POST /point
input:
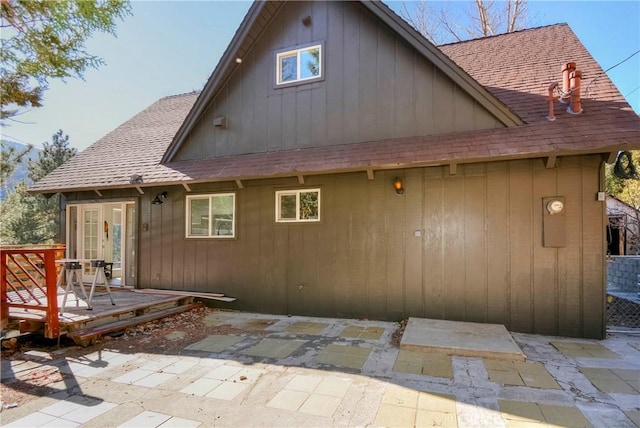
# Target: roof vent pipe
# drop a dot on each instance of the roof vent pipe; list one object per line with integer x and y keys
{"x": 567, "y": 68}
{"x": 551, "y": 116}
{"x": 576, "y": 104}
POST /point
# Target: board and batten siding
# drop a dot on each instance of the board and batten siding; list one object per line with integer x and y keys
{"x": 462, "y": 247}
{"x": 375, "y": 86}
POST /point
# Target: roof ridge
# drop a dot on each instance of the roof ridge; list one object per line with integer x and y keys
{"x": 183, "y": 94}
{"x": 559, "y": 24}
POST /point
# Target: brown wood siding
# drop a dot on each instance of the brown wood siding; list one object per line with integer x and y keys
{"x": 375, "y": 86}
{"x": 463, "y": 247}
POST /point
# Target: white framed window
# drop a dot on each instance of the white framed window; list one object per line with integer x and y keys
{"x": 299, "y": 64}
{"x": 211, "y": 216}
{"x": 298, "y": 205}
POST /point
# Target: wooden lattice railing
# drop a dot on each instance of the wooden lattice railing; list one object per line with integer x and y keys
{"x": 28, "y": 282}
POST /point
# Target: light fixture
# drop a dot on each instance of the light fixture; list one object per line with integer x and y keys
{"x": 160, "y": 198}
{"x": 397, "y": 184}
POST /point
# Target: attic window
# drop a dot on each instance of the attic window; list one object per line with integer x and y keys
{"x": 299, "y": 65}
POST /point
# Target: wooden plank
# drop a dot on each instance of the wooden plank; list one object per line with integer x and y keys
{"x": 475, "y": 249}
{"x": 385, "y": 84}
{"x": 333, "y": 68}
{"x": 367, "y": 54}
{"x": 350, "y": 88}
{"x": 376, "y": 240}
{"x": 453, "y": 246}
{"x": 497, "y": 198}
{"x": 318, "y": 127}
{"x": 274, "y": 117}
{"x": 289, "y": 117}
{"x": 433, "y": 249}
{"x": 593, "y": 249}
{"x": 176, "y": 292}
{"x": 302, "y": 115}
{"x": 545, "y": 302}
{"x": 443, "y": 96}
{"x": 521, "y": 253}
{"x": 413, "y": 279}
{"x": 262, "y": 62}
{"x": 358, "y": 241}
{"x": 80, "y": 337}
{"x": 423, "y": 97}
{"x": 570, "y": 311}
{"x": 404, "y": 100}
{"x": 338, "y": 214}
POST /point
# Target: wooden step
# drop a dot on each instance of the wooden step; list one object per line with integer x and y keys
{"x": 87, "y": 336}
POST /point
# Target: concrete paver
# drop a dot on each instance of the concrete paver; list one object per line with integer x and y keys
{"x": 274, "y": 348}
{"x": 333, "y": 374}
{"x": 584, "y": 349}
{"x": 348, "y": 356}
{"x": 431, "y": 363}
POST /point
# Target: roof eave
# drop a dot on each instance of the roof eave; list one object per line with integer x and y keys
{"x": 453, "y": 162}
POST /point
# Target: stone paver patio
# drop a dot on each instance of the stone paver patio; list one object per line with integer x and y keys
{"x": 298, "y": 371}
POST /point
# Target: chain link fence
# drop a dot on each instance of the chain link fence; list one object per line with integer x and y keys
{"x": 623, "y": 312}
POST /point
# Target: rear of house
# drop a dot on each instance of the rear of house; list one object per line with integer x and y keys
{"x": 338, "y": 164}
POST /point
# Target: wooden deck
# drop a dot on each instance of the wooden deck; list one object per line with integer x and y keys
{"x": 84, "y": 325}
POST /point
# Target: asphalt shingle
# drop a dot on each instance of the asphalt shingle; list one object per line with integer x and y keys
{"x": 516, "y": 68}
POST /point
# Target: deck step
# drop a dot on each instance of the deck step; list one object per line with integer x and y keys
{"x": 86, "y": 336}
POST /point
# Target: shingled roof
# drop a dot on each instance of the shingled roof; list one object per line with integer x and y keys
{"x": 516, "y": 68}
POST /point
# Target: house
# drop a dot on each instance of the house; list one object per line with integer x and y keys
{"x": 623, "y": 230}
{"x": 338, "y": 164}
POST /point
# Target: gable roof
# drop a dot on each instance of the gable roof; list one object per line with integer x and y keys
{"x": 260, "y": 16}
{"x": 515, "y": 68}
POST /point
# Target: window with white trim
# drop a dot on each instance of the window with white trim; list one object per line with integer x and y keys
{"x": 298, "y": 205}
{"x": 299, "y": 65}
{"x": 211, "y": 216}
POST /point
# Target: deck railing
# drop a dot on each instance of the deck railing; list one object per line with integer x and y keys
{"x": 29, "y": 283}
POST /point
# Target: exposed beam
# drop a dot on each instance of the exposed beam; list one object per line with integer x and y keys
{"x": 98, "y": 192}
{"x": 453, "y": 168}
{"x": 139, "y": 189}
{"x": 370, "y": 174}
{"x": 300, "y": 178}
{"x": 610, "y": 157}
{"x": 186, "y": 187}
{"x": 239, "y": 184}
{"x": 551, "y": 161}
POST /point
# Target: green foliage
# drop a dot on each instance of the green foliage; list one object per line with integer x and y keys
{"x": 10, "y": 157}
{"x": 627, "y": 190}
{"x": 28, "y": 219}
{"x": 34, "y": 219}
{"x": 52, "y": 156}
{"x": 46, "y": 39}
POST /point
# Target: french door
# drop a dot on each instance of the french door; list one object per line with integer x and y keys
{"x": 105, "y": 231}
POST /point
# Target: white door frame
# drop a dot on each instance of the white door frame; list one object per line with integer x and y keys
{"x": 81, "y": 209}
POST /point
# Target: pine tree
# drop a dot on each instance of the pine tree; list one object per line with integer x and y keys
{"x": 35, "y": 219}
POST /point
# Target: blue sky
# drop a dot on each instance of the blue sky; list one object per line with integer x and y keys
{"x": 172, "y": 47}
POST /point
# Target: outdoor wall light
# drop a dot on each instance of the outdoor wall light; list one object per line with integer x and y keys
{"x": 397, "y": 184}
{"x": 160, "y": 198}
